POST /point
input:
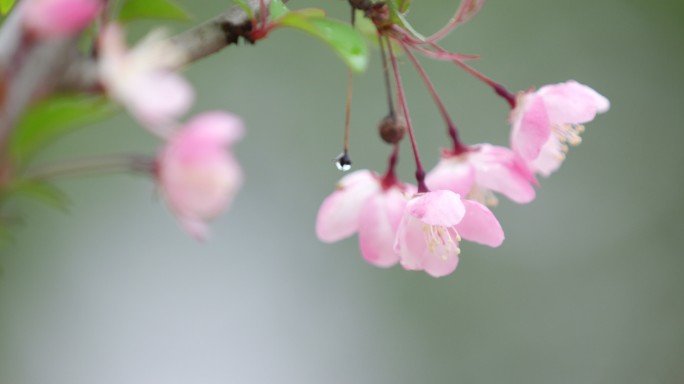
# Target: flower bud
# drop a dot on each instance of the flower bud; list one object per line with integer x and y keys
{"x": 392, "y": 128}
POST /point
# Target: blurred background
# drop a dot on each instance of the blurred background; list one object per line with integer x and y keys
{"x": 587, "y": 288}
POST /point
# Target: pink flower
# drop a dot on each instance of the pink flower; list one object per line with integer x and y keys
{"x": 544, "y": 120}
{"x": 432, "y": 226}
{"x": 196, "y": 173}
{"x": 142, "y": 79}
{"x": 361, "y": 204}
{"x": 482, "y": 170}
{"x": 58, "y": 18}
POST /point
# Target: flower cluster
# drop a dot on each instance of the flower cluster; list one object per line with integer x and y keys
{"x": 421, "y": 227}
{"x": 417, "y": 226}
{"x": 422, "y": 230}
{"x": 195, "y": 170}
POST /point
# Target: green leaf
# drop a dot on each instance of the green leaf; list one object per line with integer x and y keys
{"x": 6, "y": 239}
{"x": 152, "y": 9}
{"x": 397, "y": 17}
{"x": 52, "y": 119}
{"x": 245, "y": 7}
{"x": 6, "y": 6}
{"x": 403, "y": 5}
{"x": 346, "y": 41}
{"x": 40, "y": 191}
{"x": 277, "y": 9}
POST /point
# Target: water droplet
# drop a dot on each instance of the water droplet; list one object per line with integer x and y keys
{"x": 343, "y": 162}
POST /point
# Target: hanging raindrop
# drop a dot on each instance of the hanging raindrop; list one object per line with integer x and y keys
{"x": 343, "y": 162}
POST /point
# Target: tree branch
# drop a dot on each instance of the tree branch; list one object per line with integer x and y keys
{"x": 194, "y": 44}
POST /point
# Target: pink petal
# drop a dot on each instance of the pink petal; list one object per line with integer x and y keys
{"x": 198, "y": 229}
{"x": 452, "y": 173}
{"x": 199, "y": 184}
{"x": 159, "y": 97}
{"x": 378, "y": 226}
{"x": 572, "y": 102}
{"x": 430, "y": 248}
{"x": 550, "y": 158}
{"x": 216, "y": 126}
{"x": 111, "y": 43}
{"x": 500, "y": 170}
{"x": 338, "y": 216}
{"x": 56, "y": 18}
{"x": 443, "y": 261}
{"x": 442, "y": 208}
{"x": 480, "y": 225}
{"x": 531, "y": 127}
{"x": 410, "y": 243}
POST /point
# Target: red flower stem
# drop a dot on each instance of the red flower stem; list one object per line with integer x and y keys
{"x": 498, "y": 88}
{"x": 453, "y": 23}
{"x": 451, "y": 127}
{"x": 390, "y": 177}
{"x": 262, "y": 13}
{"x": 443, "y": 54}
{"x": 420, "y": 172}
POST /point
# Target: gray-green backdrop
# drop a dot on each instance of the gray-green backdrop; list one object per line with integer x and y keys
{"x": 587, "y": 288}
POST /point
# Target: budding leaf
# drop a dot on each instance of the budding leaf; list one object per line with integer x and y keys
{"x": 403, "y": 5}
{"x": 346, "y": 41}
{"x": 52, "y": 119}
{"x": 152, "y": 9}
{"x": 6, "y": 6}
{"x": 245, "y": 7}
{"x": 397, "y": 17}
{"x": 277, "y": 9}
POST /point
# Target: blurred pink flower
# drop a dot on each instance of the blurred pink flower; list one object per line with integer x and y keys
{"x": 361, "y": 204}
{"x": 432, "y": 226}
{"x": 142, "y": 78}
{"x": 544, "y": 120}
{"x": 57, "y": 18}
{"x": 481, "y": 170}
{"x": 197, "y": 174}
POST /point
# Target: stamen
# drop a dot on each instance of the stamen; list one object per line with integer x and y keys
{"x": 442, "y": 238}
{"x": 483, "y": 195}
{"x": 569, "y": 133}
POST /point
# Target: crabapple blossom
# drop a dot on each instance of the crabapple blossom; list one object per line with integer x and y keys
{"x": 197, "y": 174}
{"x": 363, "y": 204}
{"x": 57, "y": 18}
{"x": 481, "y": 170}
{"x": 142, "y": 78}
{"x": 545, "y": 120}
{"x": 433, "y": 225}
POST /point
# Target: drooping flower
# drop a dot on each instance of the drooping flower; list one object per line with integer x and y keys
{"x": 546, "y": 120}
{"x": 142, "y": 78}
{"x": 58, "y": 18}
{"x": 363, "y": 204}
{"x": 481, "y": 170}
{"x": 433, "y": 225}
{"x": 197, "y": 174}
